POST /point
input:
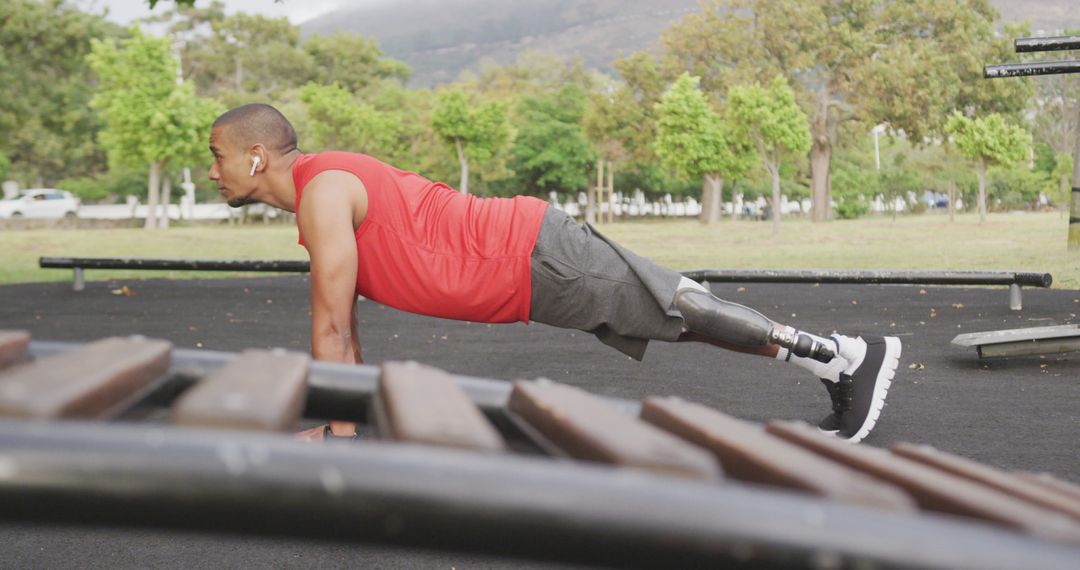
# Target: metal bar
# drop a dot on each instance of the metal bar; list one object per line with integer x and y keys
{"x": 79, "y": 282}
{"x": 1049, "y": 43}
{"x": 870, "y": 277}
{"x": 254, "y": 265}
{"x": 1016, "y": 297}
{"x": 1028, "y": 69}
{"x": 716, "y": 275}
{"x": 136, "y": 476}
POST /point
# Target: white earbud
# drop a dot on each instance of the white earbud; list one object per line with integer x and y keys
{"x": 254, "y": 163}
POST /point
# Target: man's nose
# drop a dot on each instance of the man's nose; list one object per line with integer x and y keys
{"x": 213, "y": 174}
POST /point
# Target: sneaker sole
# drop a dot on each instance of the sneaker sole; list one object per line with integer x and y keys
{"x": 885, "y": 375}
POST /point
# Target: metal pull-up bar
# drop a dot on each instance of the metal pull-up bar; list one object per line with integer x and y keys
{"x": 1031, "y": 45}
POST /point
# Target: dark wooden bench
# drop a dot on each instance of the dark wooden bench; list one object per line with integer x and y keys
{"x": 426, "y": 475}
{"x": 263, "y": 390}
{"x": 84, "y": 383}
{"x": 423, "y": 405}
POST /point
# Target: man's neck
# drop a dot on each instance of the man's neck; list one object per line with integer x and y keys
{"x": 282, "y": 189}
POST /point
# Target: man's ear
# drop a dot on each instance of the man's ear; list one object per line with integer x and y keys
{"x": 258, "y": 157}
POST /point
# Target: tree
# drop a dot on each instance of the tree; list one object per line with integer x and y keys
{"x": 906, "y": 62}
{"x": 337, "y": 120}
{"x": 988, "y": 140}
{"x": 45, "y": 87}
{"x": 550, "y": 152}
{"x": 352, "y": 61}
{"x": 693, "y": 140}
{"x": 777, "y": 126}
{"x": 149, "y": 118}
{"x": 475, "y": 131}
{"x": 611, "y": 116}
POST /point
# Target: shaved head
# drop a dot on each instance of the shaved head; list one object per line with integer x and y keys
{"x": 258, "y": 123}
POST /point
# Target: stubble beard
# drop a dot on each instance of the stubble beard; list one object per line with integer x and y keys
{"x": 240, "y": 202}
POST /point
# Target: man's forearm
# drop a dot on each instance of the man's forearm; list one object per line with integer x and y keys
{"x": 334, "y": 346}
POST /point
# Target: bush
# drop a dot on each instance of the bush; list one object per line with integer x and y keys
{"x": 851, "y": 209}
{"x": 1014, "y": 188}
{"x": 109, "y": 186}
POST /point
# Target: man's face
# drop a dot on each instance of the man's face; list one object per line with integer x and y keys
{"x": 231, "y": 169}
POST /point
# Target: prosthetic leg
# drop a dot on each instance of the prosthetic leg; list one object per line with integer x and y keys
{"x": 710, "y": 316}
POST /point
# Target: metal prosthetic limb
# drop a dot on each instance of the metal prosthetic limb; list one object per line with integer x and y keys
{"x": 705, "y": 314}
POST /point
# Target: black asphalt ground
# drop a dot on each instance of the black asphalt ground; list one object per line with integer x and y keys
{"x": 1020, "y": 413}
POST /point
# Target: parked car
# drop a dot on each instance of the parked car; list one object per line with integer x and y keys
{"x": 40, "y": 203}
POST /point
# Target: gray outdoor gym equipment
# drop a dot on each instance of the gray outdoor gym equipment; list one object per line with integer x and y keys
{"x": 1022, "y": 342}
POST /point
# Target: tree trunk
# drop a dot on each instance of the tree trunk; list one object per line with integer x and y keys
{"x": 774, "y": 170}
{"x": 734, "y": 196}
{"x": 592, "y": 193}
{"x": 706, "y": 200}
{"x": 1074, "y": 208}
{"x": 166, "y": 191}
{"x": 982, "y": 192}
{"x": 820, "y": 159}
{"x": 464, "y": 161}
{"x": 952, "y": 199}
{"x": 152, "y": 195}
{"x": 712, "y": 199}
{"x": 611, "y": 191}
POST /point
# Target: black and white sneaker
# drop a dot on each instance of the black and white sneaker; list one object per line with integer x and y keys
{"x": 859, "y": 396}
{"x": 830, "y": 424}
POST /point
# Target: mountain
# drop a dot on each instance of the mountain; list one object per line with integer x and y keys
{"x": 439, "y": 39}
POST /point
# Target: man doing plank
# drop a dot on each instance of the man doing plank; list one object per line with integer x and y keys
{"x": 420, "y": 246}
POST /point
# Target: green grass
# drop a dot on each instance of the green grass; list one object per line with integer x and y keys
{"x": 1017, "y": 241}
{"x": 20, "y": 250}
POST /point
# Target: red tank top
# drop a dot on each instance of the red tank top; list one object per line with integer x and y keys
{"x": 426, "y": 248}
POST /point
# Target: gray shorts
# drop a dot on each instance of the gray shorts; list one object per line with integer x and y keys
{"x": 582, "y": 280}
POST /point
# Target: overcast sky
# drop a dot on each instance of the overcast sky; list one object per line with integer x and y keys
{"x": 125, "y": 11}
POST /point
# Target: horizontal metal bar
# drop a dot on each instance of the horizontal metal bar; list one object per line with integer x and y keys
{"x": 715, "y": 275}
{"x": 138, "y": 476}
{"x": 1049, "y": 43}
{"x": 1026, "y": 69}
{"x": 870, "y": 277}
{"x": 256, "y": 265}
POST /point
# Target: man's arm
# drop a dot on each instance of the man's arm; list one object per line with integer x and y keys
{"x": 326, "y": 219}
{"x": 356, "y": 334}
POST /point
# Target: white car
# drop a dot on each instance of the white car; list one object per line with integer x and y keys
{"x": 40, "y": 203}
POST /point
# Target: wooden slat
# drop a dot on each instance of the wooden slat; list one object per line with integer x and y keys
{"x": 14, "y": 347}
{"x": 261, "y": 390}
{"x": 421, "y": 404}
{"x": 1051, "y": 483}
{"x": 989, "y": 476}
{"x": 586, "y": 428}
{"x": 83, "y": 382}
{"x": 750, "y": 454}
{"x": 933, "y": 489}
